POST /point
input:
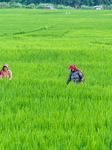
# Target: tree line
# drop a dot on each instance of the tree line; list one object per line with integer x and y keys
{"x": 72, "y": 3}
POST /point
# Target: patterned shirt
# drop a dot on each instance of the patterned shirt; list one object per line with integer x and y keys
{"x": 76, "y": 76}
{"x": 3, "y": 74}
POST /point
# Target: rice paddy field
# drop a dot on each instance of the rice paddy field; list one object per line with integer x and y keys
{"x": 38, "y": 111}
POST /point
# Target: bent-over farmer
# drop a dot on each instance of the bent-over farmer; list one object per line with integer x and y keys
{"x": 76, "y": 75}
{"x": 6, "y": 72}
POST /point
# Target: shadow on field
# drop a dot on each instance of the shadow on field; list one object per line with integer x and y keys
{"x": 22, "y": 32}
{"x": 43, "y": 28}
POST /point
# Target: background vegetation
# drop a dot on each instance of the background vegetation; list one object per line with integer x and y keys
{"x": 107, "y": 4}
{"x": 37, "y": 109}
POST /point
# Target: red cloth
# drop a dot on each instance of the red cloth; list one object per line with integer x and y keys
{"x": 72, "y": 66}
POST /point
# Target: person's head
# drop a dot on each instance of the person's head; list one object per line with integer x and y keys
{"x": 5, "y": 67}
{"x": 72, "y": 67}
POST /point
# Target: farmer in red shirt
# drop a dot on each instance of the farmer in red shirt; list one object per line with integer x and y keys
{"x": 76, "y": 75}
{"x": 6, "y": 72}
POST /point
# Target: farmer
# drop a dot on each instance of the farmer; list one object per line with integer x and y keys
{"x": 6, "y": 72}
{"x": 76, "y": 75}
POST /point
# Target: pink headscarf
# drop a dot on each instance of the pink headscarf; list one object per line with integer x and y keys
{"x": 6, "y": 65}
{"x": 72, "y": 66}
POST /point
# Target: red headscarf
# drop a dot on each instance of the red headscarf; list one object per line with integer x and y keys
{"x": 72, "y": 66}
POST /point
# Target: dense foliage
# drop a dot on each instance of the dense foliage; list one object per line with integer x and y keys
{"x": 63, "y": 2}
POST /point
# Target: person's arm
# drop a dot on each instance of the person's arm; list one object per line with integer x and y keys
{"x": 69, "y": 79}
{"x": 81, "y": 77}
{"x": 10, "y": 75}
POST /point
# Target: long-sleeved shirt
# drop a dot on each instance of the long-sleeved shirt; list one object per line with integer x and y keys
{"x": 3, "y": 74}
{"x": 76, "y": 76}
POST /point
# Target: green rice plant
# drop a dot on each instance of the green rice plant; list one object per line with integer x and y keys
{"x": 37, "y": 109}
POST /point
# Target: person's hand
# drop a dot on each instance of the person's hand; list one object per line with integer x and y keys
{"x": 82, "y": 82}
